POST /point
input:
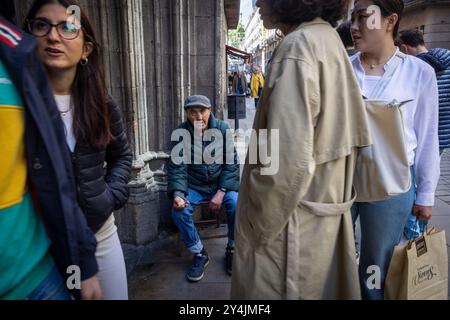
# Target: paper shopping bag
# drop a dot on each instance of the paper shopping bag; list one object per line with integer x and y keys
{"x": 419, "y": 269}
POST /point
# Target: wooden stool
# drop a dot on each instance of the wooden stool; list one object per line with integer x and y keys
{"x": 202, "y": 218}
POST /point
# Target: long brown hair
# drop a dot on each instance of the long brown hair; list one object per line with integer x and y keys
{"x": 91, "y": 123}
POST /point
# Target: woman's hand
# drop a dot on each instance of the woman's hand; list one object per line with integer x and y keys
{"x": 422, "y": 212}
{"x": 90, "y": 289}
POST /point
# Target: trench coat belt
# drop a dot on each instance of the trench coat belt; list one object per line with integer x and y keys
{"x": 327, "y": 209}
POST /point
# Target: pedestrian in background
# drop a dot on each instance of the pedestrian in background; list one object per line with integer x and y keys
{"x": 413, "y": 83}
{"x": 248, "y": 79}
{"x": 239, "y": 83}
{"x": 412, "y": 42}
{"x": 294, "y": 235}
{"x": 94, "y": 129}
{"x": 256, "y": 85}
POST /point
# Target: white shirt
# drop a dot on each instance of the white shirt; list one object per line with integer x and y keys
{"x": 65, "y": 106}
{"x": 369, "y": 84}
{"x": 414, "y": 79}
{"x": 108, "y": 229}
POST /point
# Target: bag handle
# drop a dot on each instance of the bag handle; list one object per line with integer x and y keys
{"x": 427, "y": 231}
{"x": 386, "y": 78}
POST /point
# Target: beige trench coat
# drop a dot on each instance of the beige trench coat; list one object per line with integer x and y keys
{"x": 294, "y": 235}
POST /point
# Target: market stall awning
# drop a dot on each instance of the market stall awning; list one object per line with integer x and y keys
{"x": 238, "y": 53}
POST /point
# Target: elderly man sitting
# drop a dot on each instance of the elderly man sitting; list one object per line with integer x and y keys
{"x": 190, "y": 184}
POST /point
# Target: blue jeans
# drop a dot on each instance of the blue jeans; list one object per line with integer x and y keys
{"x": 52, "y": 288}
{"x": 382, "y": 224}
{"x": 184, "y": 222}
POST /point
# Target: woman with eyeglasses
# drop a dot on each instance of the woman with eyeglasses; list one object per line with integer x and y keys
{"x": 95, "y": 133}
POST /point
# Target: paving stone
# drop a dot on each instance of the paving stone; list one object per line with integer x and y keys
{"x": 441, "y": 208}
{"x": 442, "y": 223}
{"x": 164, "y": 278}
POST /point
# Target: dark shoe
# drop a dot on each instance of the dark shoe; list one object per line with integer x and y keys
{"x": 197, "y": 270}
{"x": 229, "y": 260}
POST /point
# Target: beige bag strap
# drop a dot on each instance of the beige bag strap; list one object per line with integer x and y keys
{"x": 384, "y": 81}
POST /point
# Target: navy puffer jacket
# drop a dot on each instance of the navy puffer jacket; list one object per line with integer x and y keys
{"x": 100, "y": 192}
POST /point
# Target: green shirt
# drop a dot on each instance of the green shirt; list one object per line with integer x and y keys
{"x": 25, "y": 260}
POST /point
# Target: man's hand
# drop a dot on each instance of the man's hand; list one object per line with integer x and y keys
{"x": 216, "y": 202}
{"x": 422, "y": 212}
{"x": 180, "y": 204}
{"x": 90, "y": 289}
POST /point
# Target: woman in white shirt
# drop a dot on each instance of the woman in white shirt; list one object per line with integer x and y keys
{"x": 382, "y": 222}
{"x": 95, "y": 133}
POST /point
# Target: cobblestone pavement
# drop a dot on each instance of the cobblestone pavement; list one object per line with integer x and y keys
{"x": 443, "y": 190}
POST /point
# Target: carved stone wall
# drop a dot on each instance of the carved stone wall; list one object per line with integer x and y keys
{"x": 156, "y": 52}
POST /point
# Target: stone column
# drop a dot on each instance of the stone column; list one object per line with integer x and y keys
{"x": 178, "y": 39}
{"x": 134, "y": 71}
{"x": 138, "y": 221}
{"x": 221, "y": 78}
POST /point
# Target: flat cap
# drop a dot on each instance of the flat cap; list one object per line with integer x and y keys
{"x": 197, "y": 101}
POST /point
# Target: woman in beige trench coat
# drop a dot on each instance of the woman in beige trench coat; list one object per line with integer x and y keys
{"x": 294, "y": 236}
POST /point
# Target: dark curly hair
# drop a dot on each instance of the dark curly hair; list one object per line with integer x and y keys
{"x": 295, "y": 12}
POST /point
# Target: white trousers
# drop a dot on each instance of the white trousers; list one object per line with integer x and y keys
{"x": 112, "y": 272}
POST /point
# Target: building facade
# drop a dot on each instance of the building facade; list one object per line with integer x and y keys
{"x": 157, "y": 52}
{"x": 432, "y": 17}
{"x": 258, "y": 40}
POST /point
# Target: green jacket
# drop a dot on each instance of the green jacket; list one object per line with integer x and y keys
{"x": 204, "y": 178}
